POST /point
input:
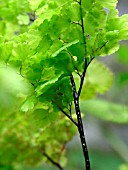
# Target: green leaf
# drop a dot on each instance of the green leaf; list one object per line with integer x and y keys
{"x": 95, "y": 15}
{"x": 34, "y": 38}
{"x": 109, "y": 44}
{"x": 40, "y": 118}
{"x": 45, "y": 86}
{"x": 53, "y": 116}
{"x": 105, "y": 110}
{"x": 29, "y": 103}
{"x": 98, "y": 80}
{"x": 6, "y": 51}
{"x": 110, "y": 4}
{"x": 23, "y": 19}
{"x": 64, "y": 47}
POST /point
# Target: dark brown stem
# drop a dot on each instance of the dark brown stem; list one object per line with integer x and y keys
{"x": 82, "y": 24}
{"x": 53, "y": 162}
{"x": 82, "y": 77}
{"x": 83, "y": 74}
{"x": 80, "y": 124}
{"x": 69, "y": 116}
{"x": 103, "y": 45}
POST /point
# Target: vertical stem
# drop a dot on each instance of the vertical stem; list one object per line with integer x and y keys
{"x": 80, "y": 124}
{"x": 82, "y": 77}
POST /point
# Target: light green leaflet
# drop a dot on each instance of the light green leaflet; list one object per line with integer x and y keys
{"x": 64, "y": 47}
{"x": 98, "y": 80}
{"x": 42, "y": 88}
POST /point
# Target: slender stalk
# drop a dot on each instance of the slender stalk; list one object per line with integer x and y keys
{"x": 69, "y": 116}
{"x": 53, "y": 162}
{"x": 80, "y": 124}
{"x": 83, "y": 74}
{"x": 82, "y": 23}
{"x": 82, "y": 77}
{"x": 66, "y": 114}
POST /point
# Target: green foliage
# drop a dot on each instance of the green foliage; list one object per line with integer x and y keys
{"x": 123, "y": 59}
{"x": 14, "y": 17}
{"x": 98, "y": 80}
{"x": 124, "y": 167}
{"x": 106, "y": 110}
{"x": 44, "y": 53}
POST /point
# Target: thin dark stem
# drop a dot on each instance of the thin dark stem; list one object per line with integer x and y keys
{"x": 76, "y": 23}
{"x": 80, "y": 124}
{"x": 86, "y": 60}
{"x": 66, "y": 114}
{"x": 70, "y": 109}
{"x": 82, "y": 24}
{"x": 53, "y": 162}
{"x": 69, "y": 116}
{"x": 103, "y": 45}
{"x": 77, "y": 2}
{"x": 83, "y": 75}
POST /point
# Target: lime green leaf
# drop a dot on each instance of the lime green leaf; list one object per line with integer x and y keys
{"x": 23, "y": 19}
{"x": 53, "y": 116}
{"x": 92, "y": 23}
{"x": 21, "y": 51}
{"x": 113, "y": 13}
{"x": 40, "y": 118}
{"x": 29, "y": 103}
{"x": 45, "y": 86}
{"x": 34, "y": 4}
{"x": 72, "y": 11}
{"x": 110, "y": 4}
{"x": 33, "y": 38}
{"x": 64, "y": 47}
{"x": 6, "y": 51}
{"x": 87, "y": 4}
{"x": 98, "y": 79}
{"x": 109, "y": 44}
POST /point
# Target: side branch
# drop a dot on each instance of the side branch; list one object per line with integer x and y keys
{"x": 53, "y": 162}
{"x": 69, "y": 116}
{"x": 83, "y": 75}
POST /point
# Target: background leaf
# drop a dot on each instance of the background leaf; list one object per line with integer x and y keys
{"x": 107, "y": 111}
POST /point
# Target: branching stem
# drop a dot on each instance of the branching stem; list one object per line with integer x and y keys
{"x": 53, "y": 162}
{"x": 83, "y": 74}
{"x": 82, "y": 78}
{"x": 67, "y": 115}
{"x": 80, "y": 123}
